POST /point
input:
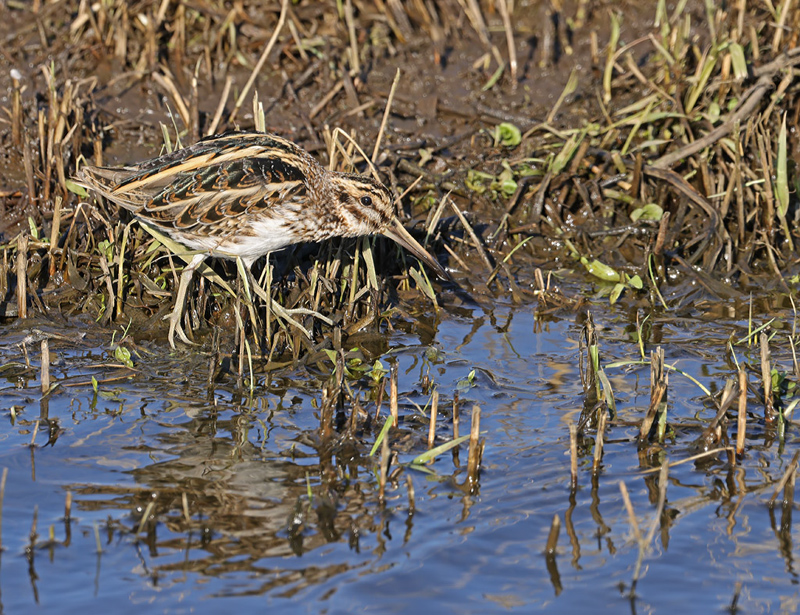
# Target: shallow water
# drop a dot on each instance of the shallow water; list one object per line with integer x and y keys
{"x": 247, "y": 465}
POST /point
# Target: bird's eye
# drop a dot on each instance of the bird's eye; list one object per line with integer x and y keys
{"x": 366, "y": 201}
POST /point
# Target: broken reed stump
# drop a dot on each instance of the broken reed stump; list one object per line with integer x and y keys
{"x": 434, "y": 412}
{"x": 658, "y": 391}
{"x": 22, "y": 276}
{"x": 766, "y": 378}
{"x": 45, "y": 366}
{"x": 573, "y": 457}
{"x": 475, "y": 448}
{"x": 393, "y": 394}
{"x": 599, "y": 441}
{"x": 741, "y": 425}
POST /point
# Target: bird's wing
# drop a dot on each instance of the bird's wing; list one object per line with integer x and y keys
{"x": 215, "y": 180}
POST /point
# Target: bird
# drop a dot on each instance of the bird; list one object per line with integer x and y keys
{"x": 245, "y": 194}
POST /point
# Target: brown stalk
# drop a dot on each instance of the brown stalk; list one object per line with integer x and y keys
{"x": 393, "y": 394}
{"x": 456, "y": 425}
{"x": 475, "y": 448}
{"x": 512, "y": 50}
{"x": 260, "y": 64}
{"x": 22, "y": 276}
{"x": 788, "y": 476}
{"x": 599, "y": 440}
{"x": 742, "y": 418}
{"x": 166, "y": 82}
{"x": 185, "y": 506}
{"x": 385, "y": 119}
{"x": 658, "y": 389}
{"x": 434, "y": 411}
{"x": 355, "y": 67}
{"x": 384, "y": 469}
{"x": 411, "y": 498}
{"x": 212, "y": 129}
{"x": 16, "y": 109}
{"x": 552, "y": 536}
{"x": 573, "y": 456}
{"x": 475, "y": 241}
{"x": 626, "y": 499}
{"x": 766, "y": 379}
{"x": 68, "y": 506}
{"x": 45, "y": 366}
{"x": 27, "y": 161}
{"x": 473, "y": 11}
{"x": 2, "y": 497}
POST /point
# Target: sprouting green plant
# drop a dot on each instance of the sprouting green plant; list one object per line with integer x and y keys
{"x": 123, "y": 355}
{"x": 782, "y": 386}
{"x": 106, "y": 248}
{"x": 609, "y": 274}
{"x": 465, "y": 384}
{"x": 503, "y": 184}
{"x": 378, "y": 371}
{"x": 34, "y": 230}
{"x": 507, "y": 135}
{"x": 76, "y": 189}
{"x": 650, "y": 211}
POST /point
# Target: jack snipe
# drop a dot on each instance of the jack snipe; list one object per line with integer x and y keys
{"x": 245, "y": 194}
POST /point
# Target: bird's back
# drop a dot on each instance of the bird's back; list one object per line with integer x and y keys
{"x": 205, "y": 187}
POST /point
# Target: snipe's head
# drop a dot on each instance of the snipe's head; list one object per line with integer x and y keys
{"x": 362, "y": 204}
{"x": 366, "y": 208}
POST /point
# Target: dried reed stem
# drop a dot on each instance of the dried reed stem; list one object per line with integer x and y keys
{"x": 393, "y": 394}
{"x": 787, "y": 476}
{"x": 385, "y": 119}
{"x": 22, "y": 276}
{"x": 2, "y": 498}
{"x": 45, "y": 366}
{"x": 434, "y": 412}
{"x": 742, "y": 418}
{"x": 68, "y": 506}
{"x": 259, "y": 65}
{"x": 552, "y": 536}
{"x": 512, "y": 51}
{"x": 475, "y": 449}
{"x": 599, "y": 441}
{"x": 766, "y": 379}
{"x": 573, "y": 456}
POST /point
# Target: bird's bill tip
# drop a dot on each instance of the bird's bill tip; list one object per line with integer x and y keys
{"x": 397, "y": 233}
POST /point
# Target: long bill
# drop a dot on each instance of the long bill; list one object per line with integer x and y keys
{"x": 397, "y": 233}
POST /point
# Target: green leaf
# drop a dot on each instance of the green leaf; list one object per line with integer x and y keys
{"x": 636, "y": 282}
{"x": 615, "y": 294}
{"x": 494, "y": 78}
{"x": 123, "y": 355}
{"x": 331, "y": 354}
{"x": 378, "y": 371}
{"x": 600, "y": 270}
{"x": 381, "y": 435}
{"x": 713, "y": 112}
{"x": 651, "y": 211}
{"x": 76, "y": 188}
{"x": 507, "y": 135}
{"x": 737, "y": 61}
{"x": 106, "y": 249}
{"x": 94, "y": 384}
{"x": 425, "y": 457}
{"x": 466, "y": 383}
{"x": 34, "y": 230}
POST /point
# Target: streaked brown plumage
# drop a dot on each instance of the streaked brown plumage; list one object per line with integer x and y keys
{"x": 245, "y": 194}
